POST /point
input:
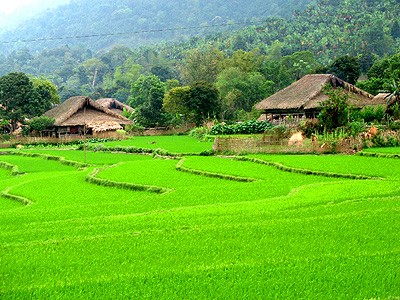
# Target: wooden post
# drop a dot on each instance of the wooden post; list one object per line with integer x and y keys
{"x": 84, "y": 135}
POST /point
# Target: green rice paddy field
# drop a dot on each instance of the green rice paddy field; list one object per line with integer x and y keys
{"x": 217, "y": 228}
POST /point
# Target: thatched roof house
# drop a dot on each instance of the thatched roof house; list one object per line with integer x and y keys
{"x": 76, "y": 113}
{"x": 302, "y": 98}
{"x": 115, "y": 105}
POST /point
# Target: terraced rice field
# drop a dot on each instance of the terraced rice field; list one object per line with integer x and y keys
{"x": 216, "y": 227}
{"x": 174, "y": 144}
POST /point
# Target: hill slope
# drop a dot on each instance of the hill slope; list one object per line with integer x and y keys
{"x": 136, "y": 22}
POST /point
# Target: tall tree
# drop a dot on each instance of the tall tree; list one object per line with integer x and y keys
{"x": 204, "y": 101}
{"x": 347, "y": 68}
{"x": 240, "y": 90}
{"x": 335, "y": 110}
{"x": 47, "y": 91}
{"x": 202, "y": 65}
{"x": 395, "y": 30}
{"x": 147, "y": 94}
{"x": 19, "y": 99}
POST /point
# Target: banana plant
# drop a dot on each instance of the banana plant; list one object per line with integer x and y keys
{"x": 393, "y": 101}
{"x": 394, "y": 97}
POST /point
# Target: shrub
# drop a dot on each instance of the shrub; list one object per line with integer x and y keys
{"x": 355, "y": 128}
{"x": 334, "y": 110}
{"x": 248, "y": 127}
{"x": 134, "y": 128}
{"x": 279, "y": 132}
{"x": 310, "y": 127}
{"x": 368, "y": 114}
{"x": 199, "y": 132}
{"x": 41, "y": 123}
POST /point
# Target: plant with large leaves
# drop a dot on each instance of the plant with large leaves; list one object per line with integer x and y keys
{"x": 393, "y": 101}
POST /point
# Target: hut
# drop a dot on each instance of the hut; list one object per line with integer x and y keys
{"x": 302, "y": 98}
{"x": 81, "y": 115}
{"x": 115, "y": 105}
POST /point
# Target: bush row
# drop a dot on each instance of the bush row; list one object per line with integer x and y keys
{"x": 304, "y": 171}
{"x": 126, "y": 149}
{"x": 381, "y": 155}
{"x": 180, "y": 167}
{"x": 63, "y": 143}
{"x": 91, "y": 178}
{"x": 387, "y": 139}
{"x": 248, "y": 127}
{"x": 139, "y": 150}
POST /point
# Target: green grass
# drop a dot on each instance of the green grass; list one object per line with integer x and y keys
{"x": 96, "y": 158}
{"x": 174, "y": 144}
{"x": 388, "y": 150}
{"x": 284, "y": 235}
{"x": 341, "y": 164}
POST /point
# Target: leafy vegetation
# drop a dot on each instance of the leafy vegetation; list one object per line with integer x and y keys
{"x": 20, "y": 98}
{"x": 248, "y": 127}
{"x": 335, "y": 110}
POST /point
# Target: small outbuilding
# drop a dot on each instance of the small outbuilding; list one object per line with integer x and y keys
{"x": 81, "y": 115}
{"x": 302, "y": 98}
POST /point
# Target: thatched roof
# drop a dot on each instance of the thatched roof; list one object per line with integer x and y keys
{"x": 381, "y": 99}
{"x": 82, "y": 110}
{"x": 104, "y": 126}
{"x": 307, "y": 93}
{"x": 115, "y": 105}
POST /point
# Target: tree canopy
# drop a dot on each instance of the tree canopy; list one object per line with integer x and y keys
{"x": 21, "y": 99}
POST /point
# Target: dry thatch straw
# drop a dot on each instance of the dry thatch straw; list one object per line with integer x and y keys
{"x": 104, "y": 126}
{"x": 82, "y": 110}
{"x": 115, "y": 105}
{"x": 381, "y": 99}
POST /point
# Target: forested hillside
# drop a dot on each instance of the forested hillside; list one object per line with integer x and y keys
{"x": 136, "y": 22}
{"x": 240, "y": 67}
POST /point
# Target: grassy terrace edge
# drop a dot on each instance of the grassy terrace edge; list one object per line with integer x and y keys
{"x": 181, "y": 168}
{"x": 60, "y": 159}
{"x": 6, "y": 194}
{"x": 93, "y": 179}
{"x": 282, "y": 167}
{"x": 376, "y": 154}
{"x": 13, "y": 168}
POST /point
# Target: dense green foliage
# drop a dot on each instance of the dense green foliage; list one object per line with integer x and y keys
{"x": 335, "y": 110}
{"x": 142, "y": 22}
{"x": 346, "y": 67}
{"x": 279, "y": 234}
{"x": 382, "y": 74}
{"x": 41, "y": 123}
{"x": 147, "y": 94}
{"x": 248, "y": 127}
{"x": 20, "y": 98}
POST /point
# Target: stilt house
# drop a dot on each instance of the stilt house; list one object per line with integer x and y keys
{"x": 302, "y": 98}
{"x": 82, "y": 115}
